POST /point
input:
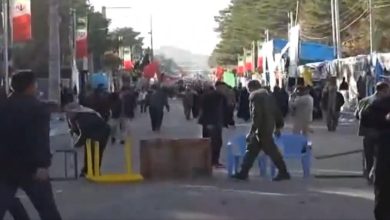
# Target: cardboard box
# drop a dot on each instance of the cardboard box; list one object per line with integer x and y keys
{"x": 175, "y": 158}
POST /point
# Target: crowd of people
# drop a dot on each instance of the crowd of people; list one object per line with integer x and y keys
{"x": 106, "y": 117}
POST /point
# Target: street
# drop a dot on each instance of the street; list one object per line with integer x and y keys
{"x": 219, "y": 197}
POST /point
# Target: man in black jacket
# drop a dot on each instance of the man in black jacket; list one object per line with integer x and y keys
{"x": 377, "y": 116}
{"x": 25, "y": 150}
{"x": 88, "y": 124}
{"x": 212, "y": 111}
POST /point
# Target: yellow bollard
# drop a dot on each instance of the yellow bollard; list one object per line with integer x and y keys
{"x": 97, "y": 159}
{"x": 128, "y": 156}
{"x": 89, "y": 158}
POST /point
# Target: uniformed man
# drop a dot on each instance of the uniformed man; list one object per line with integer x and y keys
{"x": 267, "y": 121}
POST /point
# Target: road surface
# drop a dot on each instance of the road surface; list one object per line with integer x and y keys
{"x": 219, "y": 197}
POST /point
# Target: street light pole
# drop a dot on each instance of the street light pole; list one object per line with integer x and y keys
{"x": 151, "y": 38}
{"x": 54, "y": 51}
{"x": 337, "y": 26}
{"x": 333, "y": 29}
{"x": 371, "y": 25}
{"x": 5, "y": 46}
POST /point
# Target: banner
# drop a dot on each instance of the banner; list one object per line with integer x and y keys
{"x": 259, "y": 57}
{"x": 127, "y": 63}
{"x": 82, "y": 38}
{"x": 229, "y": 78}
{"x": 294, "y": 51}
{"x": 248, "y": 60}
{"x": 20, "y": 12}
{"x": 240, "y": 65}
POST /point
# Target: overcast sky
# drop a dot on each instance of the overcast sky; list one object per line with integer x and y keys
{"x": 186, "y": 24}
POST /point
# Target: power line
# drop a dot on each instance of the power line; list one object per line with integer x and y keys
{"x": 345, "y": 15}
{"x": 354, "y": 21}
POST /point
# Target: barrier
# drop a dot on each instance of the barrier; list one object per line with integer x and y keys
{"x": 73, "y": 153}
{"x": 95, "y": 175}
{"x": 342, "y": 154}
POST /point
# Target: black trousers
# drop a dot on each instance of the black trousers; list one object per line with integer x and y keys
{"x": 215, "y": 134}
{"x": 254, "y": 146}
{"x": 369, "y": 147}
{"x": 142, "y": 105}
{"x": 230, "y": 115}
{"x": 382, "y": 180}
{"x": 156, "y": 117}
{"x": 102, "y": 146}
{"x": 39, "y": 192}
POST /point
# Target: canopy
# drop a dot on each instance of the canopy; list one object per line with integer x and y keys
{"x": 309, "y": 51}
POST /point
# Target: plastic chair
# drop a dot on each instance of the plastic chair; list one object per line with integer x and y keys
{"x": 236, "y": 150}
{"x": 295, "y": 146}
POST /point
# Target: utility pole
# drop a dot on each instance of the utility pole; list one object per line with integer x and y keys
{"x": 104, "y": 12}
{"x": 337, "y": 26}
{"x": 333, "y": 29}
{"x": 54, "y": 51}
{"x": 371, "y": 26}
{"x": 5, "y": 45}
{"x": 151, "y": 39}
{"x": 297, "y": 13}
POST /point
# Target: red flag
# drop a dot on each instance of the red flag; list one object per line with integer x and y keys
{"x": 151, "y": 70}
{"x": 219, "y": 72}
{"x": 81, "y": 38}
{"x": 260, "y": 63}
{"x": 21, "y": 20}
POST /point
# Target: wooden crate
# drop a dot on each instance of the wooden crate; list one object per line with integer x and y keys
{"x": 175, "y": 158}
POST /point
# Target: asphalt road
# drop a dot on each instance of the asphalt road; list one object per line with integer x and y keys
{"x": 220, "y": 197}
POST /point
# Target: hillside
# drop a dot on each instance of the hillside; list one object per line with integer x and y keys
{"x": 188, "y": 61}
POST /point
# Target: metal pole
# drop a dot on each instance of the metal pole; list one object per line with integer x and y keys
{"x": 6, "y": 46}
{"x": 371, "y": 26}
{"x": 54, "y": 51}
{"x": 337, "y": 26}
{"x": 333, "y": 29}
{"x": 297, "y": 13}
{"x": 151, "y": 38}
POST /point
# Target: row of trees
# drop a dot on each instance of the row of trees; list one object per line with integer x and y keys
{"x": 33, "y": 54}
{"x": 244, "y": 21}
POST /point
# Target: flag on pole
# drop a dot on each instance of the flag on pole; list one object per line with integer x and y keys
{"x": 240, "y": 65}
{"x": 254, "y": 55}
{"x": 248, "y": 60}
{"x": 259, "y": 57}
{"x": 21, "y": 20}
{"x": 82, "y": 38}
{"x": 127, "y": 63}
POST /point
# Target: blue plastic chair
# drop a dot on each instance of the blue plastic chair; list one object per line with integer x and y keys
{"x": 295, "y": 146}
{"x": 234, "y": 158}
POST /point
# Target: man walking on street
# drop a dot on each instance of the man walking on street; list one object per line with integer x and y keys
{"x": 25, "y": 150}
{"x": 267, "y": 121}
{"x": 332, "y": 101}
{"x": 212, "y": 110}
{"x": 370, "y": 135}
{"x": 377, "y": 116}
{"x": 157, "y": 101}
